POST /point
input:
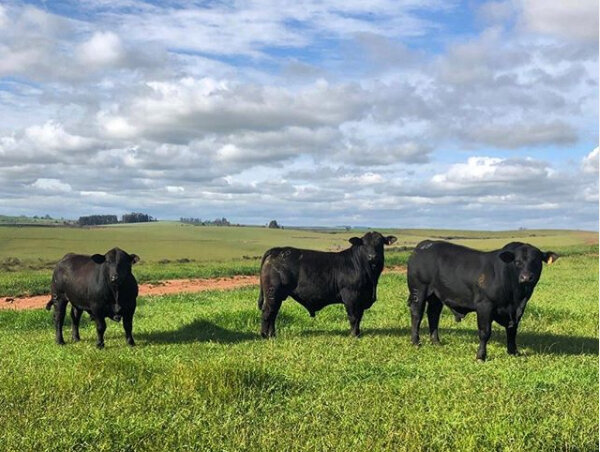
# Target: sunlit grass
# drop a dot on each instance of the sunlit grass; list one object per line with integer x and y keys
{"x": 201, "y": 378}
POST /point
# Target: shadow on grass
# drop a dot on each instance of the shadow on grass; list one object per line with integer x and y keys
{"x": 197, "y": 331}
{"x": 540, "y": 343}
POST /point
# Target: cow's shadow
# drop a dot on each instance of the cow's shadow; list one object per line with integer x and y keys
{"x": 197, "y": 331}
{"x": 538, "y": 343}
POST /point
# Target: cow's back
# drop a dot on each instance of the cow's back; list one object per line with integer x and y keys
{"x": 448, "y": 270}
{"x": 79, "y": 278}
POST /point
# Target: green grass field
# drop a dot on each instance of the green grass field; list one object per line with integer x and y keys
{"x": 172, "y": 250}
{"x": 202, "y": 379}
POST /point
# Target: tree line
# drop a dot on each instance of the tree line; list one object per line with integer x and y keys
{"x": 133, "y": 217}
{"x": 199, "y": 222}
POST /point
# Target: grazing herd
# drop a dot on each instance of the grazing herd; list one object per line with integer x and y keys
{"x": 496, "y": 285}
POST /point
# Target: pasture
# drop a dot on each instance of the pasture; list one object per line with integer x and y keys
{"x": 171, "y": 250}
{"x": 202, "y": 379}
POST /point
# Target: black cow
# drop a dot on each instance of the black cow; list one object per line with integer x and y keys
{"x": 496, "y": 285}
{"x": 101, "y": 285}
{"x": 316, "y": 279}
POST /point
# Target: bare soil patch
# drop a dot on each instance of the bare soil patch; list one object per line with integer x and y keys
{"x": 161, "y": 288}
{"x": 166, "y": 287}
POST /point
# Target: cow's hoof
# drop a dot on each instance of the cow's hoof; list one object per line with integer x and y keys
{"x": 60, "y": 342}
{"x": 131, "y": 343}
{"x": 480, "y": 360}
{"x": 514, "y": 353}
{"x": 436, "y": 342}
{"x": 99, "y": 346}
{"x": 76, "y": 339}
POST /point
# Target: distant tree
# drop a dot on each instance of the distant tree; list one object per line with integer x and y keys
{"x": 273, "y": 225}
{"x": 191, "y": 220}
{"x": 94, "y": 220}
{"x": 198, "y": 222}
{"x": 135, "y": 217}
{"x": 219, "y": 222}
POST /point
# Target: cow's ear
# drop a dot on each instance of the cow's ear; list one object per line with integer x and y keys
{"x": 507, "y": 256}
{"x": 389, "y": 239}
{"x": 134, "y": 258}
{"x": 549, "y": 257}
{"x": 355, "y": 241}
{"x": 98, "y": 258}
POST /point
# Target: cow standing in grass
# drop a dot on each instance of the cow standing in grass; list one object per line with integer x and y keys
{"x": 496, "y": 285}
{"x": 316, "y": 279}
{"x": 101, "y": 285}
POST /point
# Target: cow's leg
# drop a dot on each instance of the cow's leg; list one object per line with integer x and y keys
{"x": 354, "y": 317}
{"x": 434, "y": 309}
{"x": 60, "y": 310}
{"x": 128, "y": 326}
{"x": 100, "y": 329}
{"x": 416, "y": 301}
{"x": 75, "y": 318}
{"x": 484, "y": 324}
{"x": 511, "y": 340}
{"x": 269, "y": 315}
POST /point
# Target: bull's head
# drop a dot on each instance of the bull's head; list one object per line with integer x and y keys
{"x": 527, "y": 260}
{"x": 371, "y": 245}
{"x": 370, "y": 248}
{"x": 117, "y": 269}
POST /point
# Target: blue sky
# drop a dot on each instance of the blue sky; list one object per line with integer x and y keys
{"x": 478, "y": 115}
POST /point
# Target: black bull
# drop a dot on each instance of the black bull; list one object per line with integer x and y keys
{"x": 101, "y": 285}
{"x": 496, "y": 285}
{"x": 316, "y": 279}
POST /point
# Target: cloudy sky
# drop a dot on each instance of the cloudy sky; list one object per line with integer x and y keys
{"x": 404, "y": 113}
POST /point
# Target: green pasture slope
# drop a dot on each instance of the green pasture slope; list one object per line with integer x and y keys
{"x": 172, "y": 250}
{"x": 201, "y": 379}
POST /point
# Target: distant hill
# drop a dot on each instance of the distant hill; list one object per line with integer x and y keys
{"x": 46, "y": 220}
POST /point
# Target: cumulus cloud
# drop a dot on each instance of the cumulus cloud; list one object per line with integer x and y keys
{"x": 189, "y": 108}
{"x": 518, "y": 134}
{"x": 328, "y": 112}
{"x": 590, "y": 162}
{"x": 51, "y": 185}
{"x": 44, "y": 143}
{"x": 573, "y": 20}
{"x": 479, "y": 171}
{"x": 102, "y": 49}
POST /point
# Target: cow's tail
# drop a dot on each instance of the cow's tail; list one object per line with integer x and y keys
{"x": 50, "y": 304}
{"x": 261, "y": 297}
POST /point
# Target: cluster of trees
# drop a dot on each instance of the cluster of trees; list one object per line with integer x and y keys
{"x": 274, "y": 225}
{"x": 198, "y": 222}
{"x": 93, "y": 220}
{"x": 133, "y": 217}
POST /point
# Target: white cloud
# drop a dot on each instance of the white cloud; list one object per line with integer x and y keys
{"x": 575, "y": 20}
{"x": 44, "y": 143}
{"x": 478, "y": 171}
{"x": 367, "y": 178}
{"x": 53, "y": 136}
{"x": 590, "y": 162}
{"x": 51, "y": 185}
{"x": 309, "y": 113}
{"x": 102, "y": 49}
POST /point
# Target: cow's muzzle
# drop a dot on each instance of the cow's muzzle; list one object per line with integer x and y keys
{"x": 525, "y": 277}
